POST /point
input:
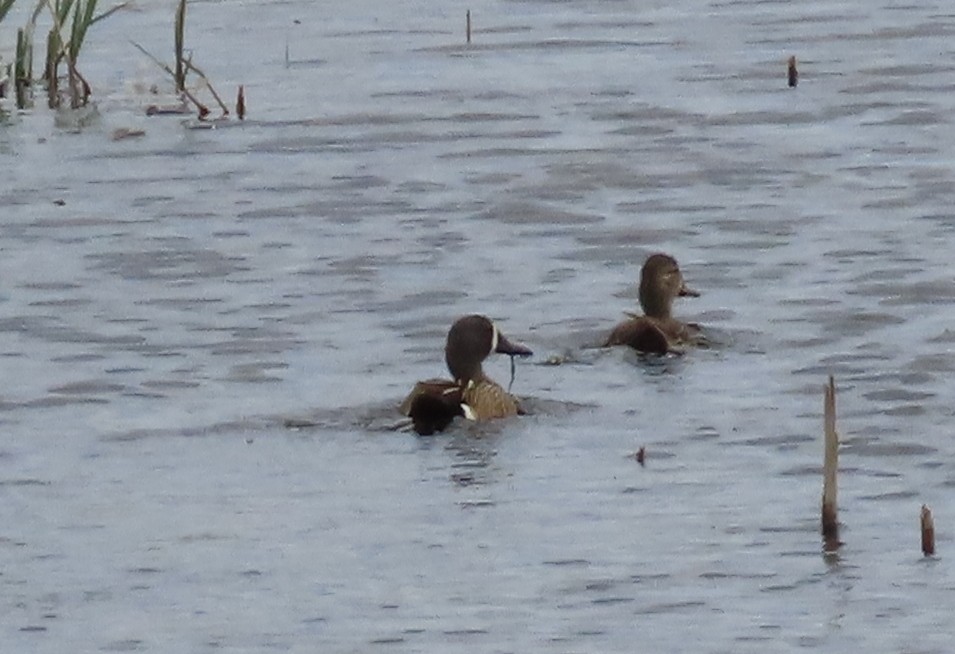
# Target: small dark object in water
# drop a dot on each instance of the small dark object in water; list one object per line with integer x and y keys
{"x": 166, "y": 110}
{"x": 469, "y": 26}
{"x": 122, "y": 133}
{"x": 641, "y": 455}
{"x": 928, "y": 532}
{"x": 793, "y": 73}
{"x": 298, "y": 423}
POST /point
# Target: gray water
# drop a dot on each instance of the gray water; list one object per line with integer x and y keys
{"x": 204, "y": 332}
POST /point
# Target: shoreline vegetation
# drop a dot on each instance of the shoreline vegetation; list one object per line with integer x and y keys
{"x": 67, "y": 23}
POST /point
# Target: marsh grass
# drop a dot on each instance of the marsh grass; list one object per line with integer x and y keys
{"x": 9, "y": 71}
{"x": 71, "y": 22}
{"x": 83, "y": 16}
{"x": 180, "y": 39}
{"x": 23, "y": 68}
{"x": 183, "y": 66}
{"x": 5, "y": 6}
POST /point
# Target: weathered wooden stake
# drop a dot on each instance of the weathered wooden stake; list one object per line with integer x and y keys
{"x": 928, "y": 532}
{"x": 469, "y": 26}
{"x": 830, "y": 510}
{"x": 793, "y": 73}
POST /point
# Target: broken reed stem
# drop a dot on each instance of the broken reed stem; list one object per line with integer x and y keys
{"x": 23, "y": 68}
{"x": 469, "y": 26}
{"x": 201, "y": 108}
{"x": 240, "y": 103}
{"x": 191, "y": 66}
{"x": 928, "y": 531}
{"x": 793, "y": 73}
{"x": 830, "y": 510}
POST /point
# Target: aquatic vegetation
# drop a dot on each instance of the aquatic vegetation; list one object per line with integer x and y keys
{"x": 83, "y": 17}
{"x": 71, "y": 19}
{"x": 182, "y": 67}
{"x": 5, "y": 6}
{"x": 7, "y": 72}
{"x": 23, "y": 66}
{"x": 70, "y": 23}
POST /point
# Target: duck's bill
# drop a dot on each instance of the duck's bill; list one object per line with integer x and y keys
{"x": 504, "y": 346}
{"x": 686, "y": 291}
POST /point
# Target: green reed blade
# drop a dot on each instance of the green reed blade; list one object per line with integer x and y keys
{"x": 5, "y": 6}
{"x": 180, "y": 44}
{"x": 82, "y": 18}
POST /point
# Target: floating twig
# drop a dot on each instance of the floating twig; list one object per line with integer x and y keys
{"x": 928, "y": 531}
{"x": 830, "y": 511}
{"x": 123, "y": 133}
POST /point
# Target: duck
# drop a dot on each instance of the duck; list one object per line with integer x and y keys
{"x": 433, "y": 404}
{"x": 657, "y": 331}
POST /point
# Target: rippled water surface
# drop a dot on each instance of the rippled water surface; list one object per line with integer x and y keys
{"x": 204, "y": 333}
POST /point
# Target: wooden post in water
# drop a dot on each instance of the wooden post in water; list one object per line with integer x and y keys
{"x": 928, "y": 532}
{"x": 469, "y": 26}
{"x": 830, "y": 468}
{"x": 793, "y": 73}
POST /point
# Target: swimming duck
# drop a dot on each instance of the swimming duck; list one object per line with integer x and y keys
{"x": 434, "y": 403}
{"x": 657, "y": 331}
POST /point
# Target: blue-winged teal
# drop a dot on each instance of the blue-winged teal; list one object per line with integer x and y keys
{"x": 433, "y": 404}
{"x": 657, "y": 331}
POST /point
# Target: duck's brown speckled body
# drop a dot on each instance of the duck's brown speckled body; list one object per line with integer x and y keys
{"x": 434, "y": 403}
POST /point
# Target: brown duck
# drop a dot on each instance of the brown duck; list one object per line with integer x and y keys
{"x": 657, "y": 331}
{"x": 433, "y": 404}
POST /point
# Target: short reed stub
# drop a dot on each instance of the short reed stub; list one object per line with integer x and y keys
{"x": 928, "y": 531}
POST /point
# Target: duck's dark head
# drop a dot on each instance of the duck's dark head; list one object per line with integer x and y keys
{"x": 660, "y": 283}
{"x": 470, "y": 341}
